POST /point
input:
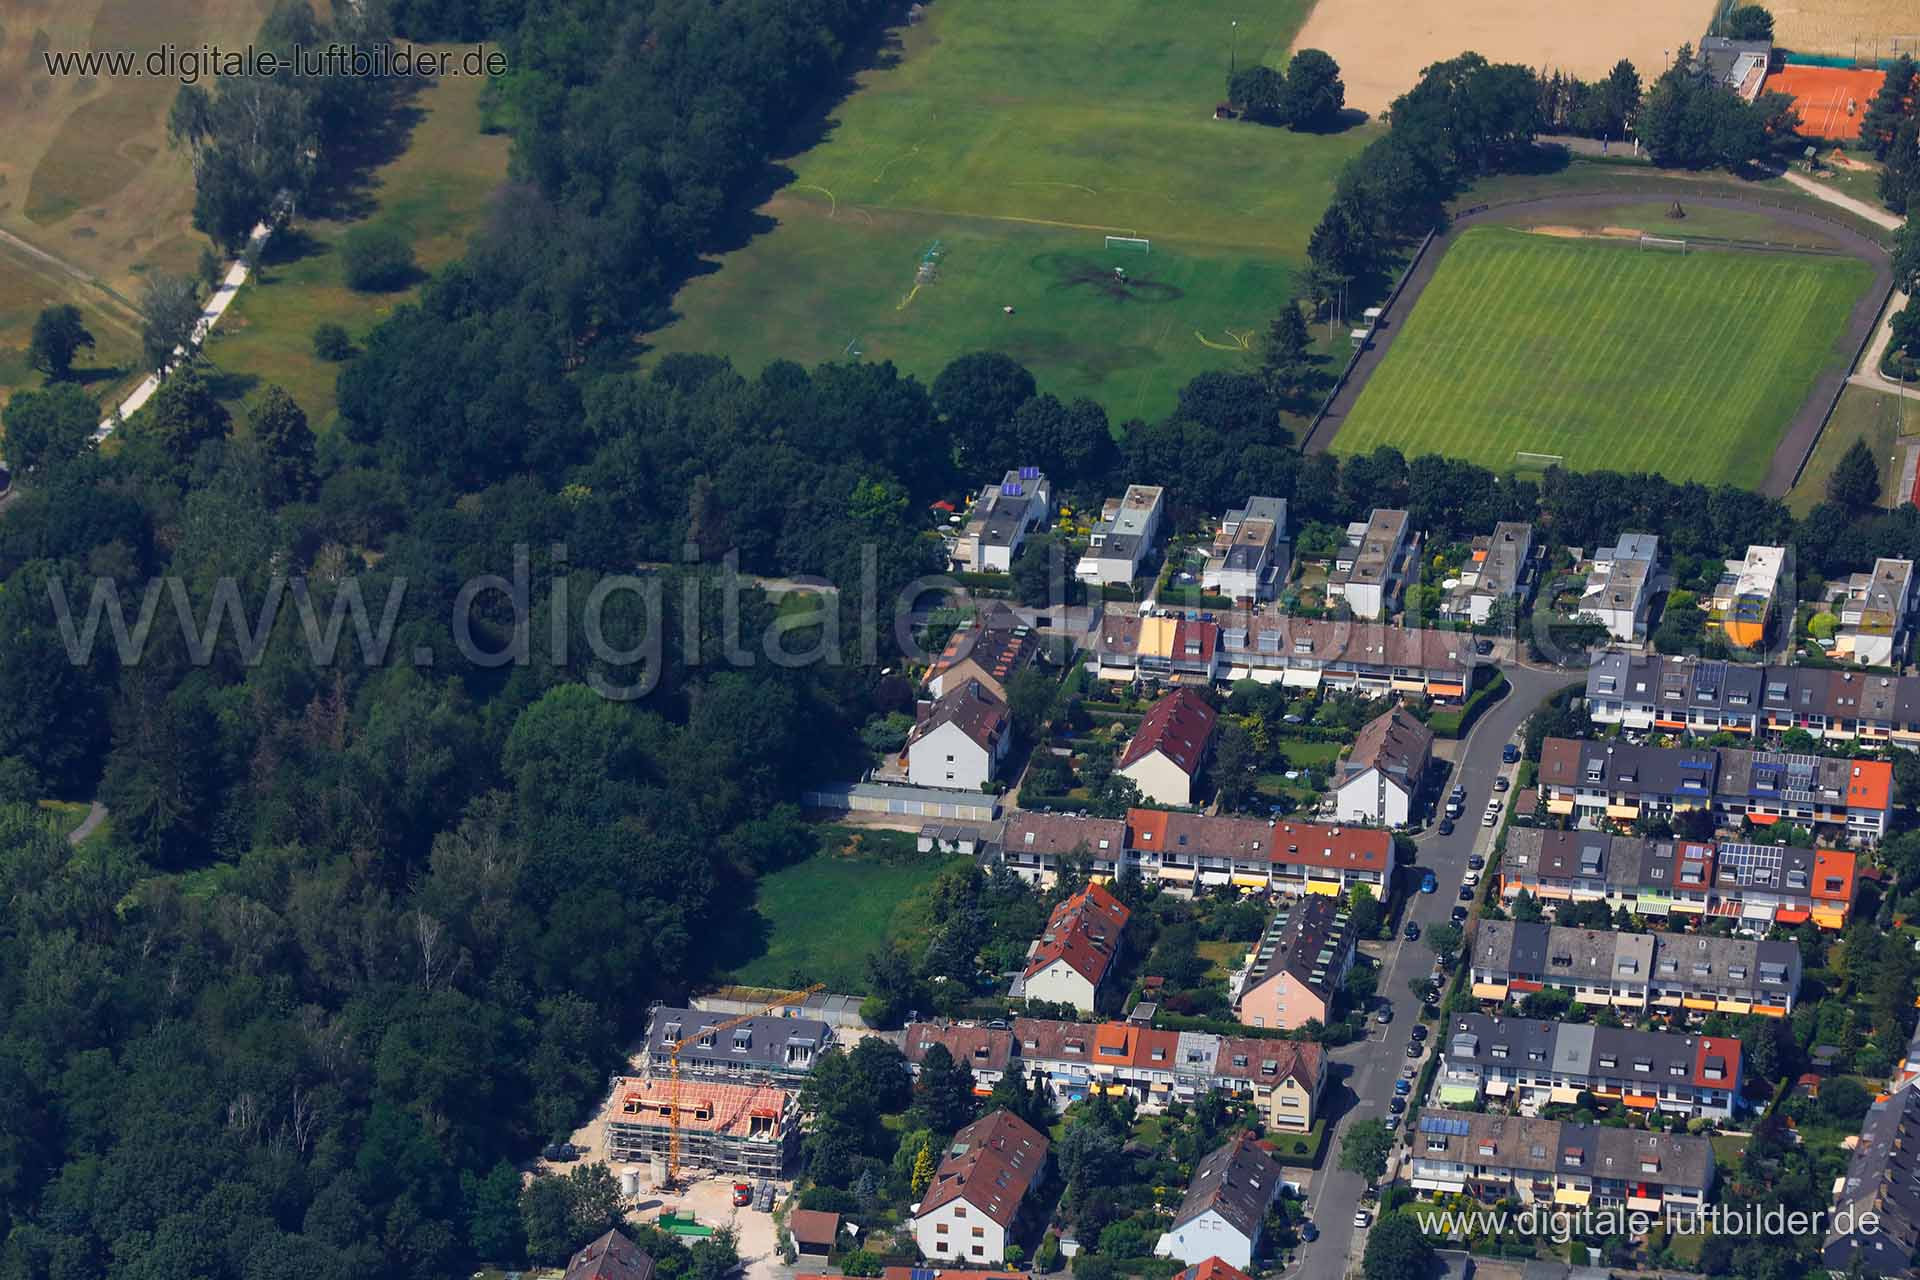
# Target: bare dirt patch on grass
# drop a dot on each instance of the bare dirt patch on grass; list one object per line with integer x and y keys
{"x": 1588, "y": 233}
{"x": 1382, "y": 45}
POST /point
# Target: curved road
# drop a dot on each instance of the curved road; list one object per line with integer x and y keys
{"x": 1797, "y": 441}
{"x": 1361, "y": 1081}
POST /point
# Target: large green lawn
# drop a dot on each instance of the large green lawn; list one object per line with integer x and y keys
{"x": 1607, "y": 355}
{"x": 1018, "y": 137}
{"x": 816, "y": 921}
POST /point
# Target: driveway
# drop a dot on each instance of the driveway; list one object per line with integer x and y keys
{"x": 1370, "y": 1067}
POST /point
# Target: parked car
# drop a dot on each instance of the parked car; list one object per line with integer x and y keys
{"x": 1502, "y": 782}
{"x": 1446, "y": 826}
{"x": 1419, "y": 1031}
{"x": 1393, "y": 1122}
{"x": 1483, "y": 647}
{"x": 1459, "y": 915}
{"x": 1396, "y": 1105}
{"x": 1385, "y": 1015}
{"x": 1309, "y": 1232}
{"x": 1510, "y": 754}
{"x": 1466, "y": 893}
{"x": 1403, "y": 1086}
{"x": 1476, "y": 862}
{"x": 1489, "y": 818}
{"x": 742, "y": 1195}
{"x": 1409, "y": 1071}
{"x": 1459, "y": 791}
{"x": 560, "y": 1151}
{"x": 1414, "y": 1050}
{"x": 1428, "y": 884}
{"x": 1362, "y": 1218}
{"x": 1470, "y": 879}
{"x": 1411, "y": 932}
{"x": 1431, "y": 1008}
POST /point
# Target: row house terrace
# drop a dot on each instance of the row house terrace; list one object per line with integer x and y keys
{"x": 1635, "y": 972}
{"x": 1374, "y": 658}
{"x": 1757, "y": 885}
{"x": 1595, "y": 780}
{"x": 1706, "y": 696}
{"x": 1560, "y": 1163}
{"x": 1527, "y": 1063}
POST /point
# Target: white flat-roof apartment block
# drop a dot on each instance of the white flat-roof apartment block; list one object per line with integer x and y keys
{"x": 1373, "y": 568}
{"x": 1876, "y": 614}
{"x": 1250, "y": 556}
{"x": 1619, "y": 585}
{"x": 1743, "y": 600}
{"x": 1128, "y": 525}
{"x": 1497, "y": 570}
{"x": 1000, "y": 520}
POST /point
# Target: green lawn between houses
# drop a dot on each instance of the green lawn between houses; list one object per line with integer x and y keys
{"x": 1607, "y": 355}
{"x": 1016, "y": 137}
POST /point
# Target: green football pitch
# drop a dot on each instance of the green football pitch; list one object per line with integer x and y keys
{"x": 1016, "y": 138}
{"x": 1607, "y": 355}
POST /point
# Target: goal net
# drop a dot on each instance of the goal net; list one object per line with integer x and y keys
{"x": 1133, "y": 244}
{"x": 1537, "y": 461}
{"x": 1663, "y": 242}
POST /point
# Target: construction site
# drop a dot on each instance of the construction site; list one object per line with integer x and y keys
{"x": 741, "y": 1129}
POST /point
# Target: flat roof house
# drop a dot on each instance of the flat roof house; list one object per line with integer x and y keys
{"x": 1072, "y": 956}
{"x": 1292, "y": 972}
{"x": 1001, "y": 517}
{"x": 1380, "y": 780}
{"x": 1620, "y": 584}
{"x": 1497, "y": 570}
{"x": 1225, "y": 1211}
{"x": 1124, "y": 535}
{"x": 969, "y": 1209}
{"x": 1374, "y": 566}
{"x": 1876, "y": 614}
{"x": 1742, "y": 603}
{"x": 1169, "y": 749}
{"x": 959, "y": 740}
{"x": 1249, "y": 558}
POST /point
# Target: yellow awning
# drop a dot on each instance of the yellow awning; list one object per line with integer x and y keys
{"x": 1175, "y": 873}
{"x": 1667, "y": 1002}
{"x": 1330, "y": 888}
{"x": 1551, "y": 891}
{"x": 1736, "y": 1006}
{"x": 1556, "y": 805}
{"x": 1775, "y": 1011}
{"x": 1626, "y": 812}
{"x": 1688, "y": 1002}
{"x": 1697, "y": 908}
{"x": 1250, "y": 882}
{"x": 1561, "y": 1093}
{"x": 1830, "y": 919}
{"x": 1644, "y": 1204}
{"x": 1567, "y": 1195}
{"x": 1629, "y": 1002}
{"x": 1489, "y": 991}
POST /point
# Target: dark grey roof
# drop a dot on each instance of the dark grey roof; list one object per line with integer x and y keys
{"x": 760, "y": 1043}
{"x": 1237, "y": 1180}
{"x": 611, "y": 1257}
{"x": 1882, "y": 1177}
{"x": 1309, "y": 938}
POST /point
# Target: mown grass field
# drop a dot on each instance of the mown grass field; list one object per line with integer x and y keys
{"x": 816, "y": 921}
{"x": 1018, "y": 137}
{"x": 435, "y": 192}
{"x": 1610, "y": 356}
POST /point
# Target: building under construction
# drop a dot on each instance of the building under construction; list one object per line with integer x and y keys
{"x": 726, "y": 1128}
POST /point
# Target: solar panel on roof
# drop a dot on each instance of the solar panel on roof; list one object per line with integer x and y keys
{"x": 1444, "y": 1124}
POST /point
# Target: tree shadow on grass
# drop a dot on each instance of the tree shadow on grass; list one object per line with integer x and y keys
{"x": 347, "y": 188}
{"x": 739, "y": 938}
{"x": 87, "y": 375}
{"x": 228, "y": 384}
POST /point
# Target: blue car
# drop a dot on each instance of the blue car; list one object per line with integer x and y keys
{"x": 1403, "y": 1087}
{"x": 1428, "y": 884}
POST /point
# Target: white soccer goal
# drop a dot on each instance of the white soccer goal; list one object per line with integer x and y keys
{"x": 1537, "y": 461}
{"x": 1664, "y": 242}
{"x": 1139, "y": 243}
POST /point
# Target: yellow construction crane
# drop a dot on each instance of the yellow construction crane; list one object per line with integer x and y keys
{"x": 673, "y": 1056}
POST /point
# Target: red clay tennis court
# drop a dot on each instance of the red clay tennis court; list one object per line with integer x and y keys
{"x": 1831, "y": 100}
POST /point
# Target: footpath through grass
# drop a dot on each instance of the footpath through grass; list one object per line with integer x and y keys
{"x": 1607, "y": 355}
{"x": 435, "y": 192}
{"x": 1016, "y": 138}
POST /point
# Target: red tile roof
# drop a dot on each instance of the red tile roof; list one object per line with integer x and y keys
{"x": 812, "y": 1226}
{"x": 1212, "y": 1269}
{"x": 1178, "y": 726}
{"x": 1315, "y": 844}
{"x": 989, "y": 1164}
{"x": 1084, "y": 931}
{"x": 1870, "y": 784}
{"x": 1829, "y": 864}
{"x": 1723, "y": 1047}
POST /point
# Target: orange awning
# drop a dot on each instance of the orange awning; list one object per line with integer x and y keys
{"x": 1446, "y": 690}
{"x": 1792, "y": 915}
{"x": 1763, "y": 819}
{"x": 1644, "y": 1101}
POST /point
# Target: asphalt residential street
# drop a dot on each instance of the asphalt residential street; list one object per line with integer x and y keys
{"x": 1363, "y": 1073}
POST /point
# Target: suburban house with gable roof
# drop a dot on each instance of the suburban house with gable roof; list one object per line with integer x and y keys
{"x": 1225, "y": 1210}
{"x": 611, "y": 1257}
{"x": 992, "y": 651}
{"x": 960, "y": 740}
{"x": 1169, "y": 748}
{"x": 1293, "y": 971}
{"x": 1697, "y": 972}
{"x": 1381, "y": 779}
{"x": 1070, "y": 960}
{"x": 1883, "y": 1179}
{"x": 970, "y": 1207}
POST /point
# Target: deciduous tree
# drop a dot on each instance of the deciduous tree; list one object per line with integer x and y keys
{"x": 59, "y": 332}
